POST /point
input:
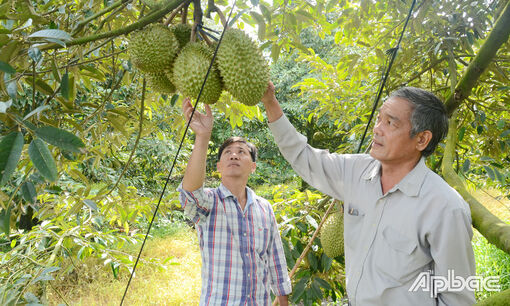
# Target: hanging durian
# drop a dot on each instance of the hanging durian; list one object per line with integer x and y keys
{"x": 182, "y": 32}
{"x": 332, "y": 235}
{"x": 243, "y": 69}
{"x": 189, "y": 72}
{"x": 159, "y": 82}
{"x": 153, "y": 48}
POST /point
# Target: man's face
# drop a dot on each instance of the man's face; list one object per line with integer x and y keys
{"x": 235, "y": 161}
{"x": 392, "y": 141}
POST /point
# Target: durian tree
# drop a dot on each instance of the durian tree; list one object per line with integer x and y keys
{"x": 77, "y": 106}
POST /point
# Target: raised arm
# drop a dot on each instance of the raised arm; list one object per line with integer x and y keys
{"x": 202, "y": 125}
{"x": 273, "y": 109}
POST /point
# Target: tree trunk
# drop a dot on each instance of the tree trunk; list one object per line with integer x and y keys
{"x": 491, "y": 227}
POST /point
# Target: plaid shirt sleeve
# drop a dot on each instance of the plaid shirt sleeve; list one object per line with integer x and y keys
{"x": 280, "y": 280}
{"x": 197, "y": 203}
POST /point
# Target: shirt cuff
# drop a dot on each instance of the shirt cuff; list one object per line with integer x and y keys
{"x": 282, "y": 289}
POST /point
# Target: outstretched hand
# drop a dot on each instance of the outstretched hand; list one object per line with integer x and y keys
{"x": 201, "y": 123}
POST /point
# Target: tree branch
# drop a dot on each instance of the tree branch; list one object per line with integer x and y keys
{"x": 497, "y": 37}
{"x": 171, "y": 5}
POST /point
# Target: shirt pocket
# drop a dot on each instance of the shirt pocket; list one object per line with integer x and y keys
{"x": 353, "y": 224}
{"x": 261, "y": 240}
{"x": 395, "y": 258}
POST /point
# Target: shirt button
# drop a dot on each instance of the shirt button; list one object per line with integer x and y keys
{"x": 244, "y": 234}
{"x": 248, "y": 274}
{"x": 249, "y": 295}
{"x": 247, "y": 254}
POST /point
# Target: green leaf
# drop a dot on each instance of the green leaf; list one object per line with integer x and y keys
{"x": 64, "y": 86}
{"x": 42, "y": 159}
{"x": 466, "y": 165}
{"x": 36, "y": 111}
{"x": 28, "y": 192}
{"x": 311, "y": 221}
{"x": 298, "y": 289}
{"x": 91, "y": 204}
{"x": 324, "y": 284}
{"x": 5, "y": 67}
{"x": 262, "y": 25}
{"x": 316, "y": 290}
{"x": 312, "y": 259}
{"x": 52, "y": 34}
{"x": 60, "y": 138}
{"x": 5, "y": 221}
{"x": 326, "y": 262}
{"x": 462, "y": 131}
{"x": 174, "y": 99}
{"x": 10, "y": 152}
{"x": 490, "y": 172}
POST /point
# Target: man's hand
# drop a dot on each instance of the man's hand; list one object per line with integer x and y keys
{"x": 201, "y": 123}
{"x": 273, "y": 109}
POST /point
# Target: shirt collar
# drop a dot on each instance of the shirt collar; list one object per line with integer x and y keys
{"x": 410, "y": 184}
{"x": 225, "y": 193}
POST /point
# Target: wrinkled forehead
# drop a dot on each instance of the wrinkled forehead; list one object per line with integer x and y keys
{"x": 397, "y": 106}
{"x": 237, "y": 146}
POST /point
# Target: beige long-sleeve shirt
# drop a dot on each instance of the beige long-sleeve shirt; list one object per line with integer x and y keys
{"x": 392, "y": 241}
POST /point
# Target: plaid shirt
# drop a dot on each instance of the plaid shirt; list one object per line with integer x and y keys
{"x": 242, "y": 253}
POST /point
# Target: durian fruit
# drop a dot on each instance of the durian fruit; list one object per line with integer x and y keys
{"x": 182, "y": 32}
{"x": 160, "y": 82}
{"x": 153, "y": 48}
{"x": 189, "y": 71}
{"x": 244, "y": 71}
{"x": 332, "y": 235}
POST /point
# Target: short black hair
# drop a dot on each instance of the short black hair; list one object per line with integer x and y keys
{"x": 428, "y": 113}
{"x": 231, "y": 140}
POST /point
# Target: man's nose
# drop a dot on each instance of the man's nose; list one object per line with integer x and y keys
{"x": 234, "y": 156}
{"x": 377, "y": 128}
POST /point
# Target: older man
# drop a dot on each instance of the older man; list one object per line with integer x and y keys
{"x": 402, "y": 222}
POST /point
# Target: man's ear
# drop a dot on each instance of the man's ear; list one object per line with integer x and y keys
{"x": 254, "y": 167}
{"x": 423, "y": 139}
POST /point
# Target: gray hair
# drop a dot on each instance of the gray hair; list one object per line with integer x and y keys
{"x": 428, "y": 113}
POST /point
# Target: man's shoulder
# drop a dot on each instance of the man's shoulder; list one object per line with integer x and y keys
{"x": 435, "y": 187}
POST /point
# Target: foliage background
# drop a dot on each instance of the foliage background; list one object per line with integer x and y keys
{"x": 88, "y": 189}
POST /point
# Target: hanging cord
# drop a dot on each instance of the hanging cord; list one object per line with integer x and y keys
{"x": 381, "y": 87}
{"x": 176, "y": 155}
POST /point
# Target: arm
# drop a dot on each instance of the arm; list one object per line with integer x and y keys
{"x": 194, "y": 200}
{"x": 319, "y": 168}
{"x": 202, "y": 126}
{"x": 283, "y": 300}
{"x": 450, "y": 247}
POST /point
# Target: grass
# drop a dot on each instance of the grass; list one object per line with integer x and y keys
{"x": 491, "y": 261}
{"x": 178, "y": 283}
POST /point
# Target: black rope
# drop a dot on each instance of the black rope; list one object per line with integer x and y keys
{"x": 393, "y": 52}
{"x": 176, "y": 155}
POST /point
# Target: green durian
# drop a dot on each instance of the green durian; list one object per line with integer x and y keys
{"x": 153, "y": 48}
{"x": 332, "y": 235}
{"x": 182, "y": 32}
{"x": 244, "y": 71}
{"x": 160, "y": 82}
{"x": 189, "y": 72}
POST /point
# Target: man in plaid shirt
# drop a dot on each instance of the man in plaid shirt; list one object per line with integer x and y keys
{"x": 242, "y": 253}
